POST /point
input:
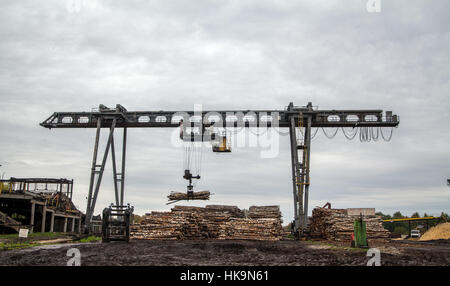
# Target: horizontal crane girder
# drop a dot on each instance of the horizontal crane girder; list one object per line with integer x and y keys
{"x": 228, "y": 118}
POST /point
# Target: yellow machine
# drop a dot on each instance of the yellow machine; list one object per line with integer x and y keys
{"x": 222, "y": 146}
{"x": 5, "y": 187}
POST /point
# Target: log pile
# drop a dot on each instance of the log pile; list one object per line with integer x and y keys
{"x": 211, "y": 217}
{"x": 335, "y": 224}
{"x": 251, "y": 229}
{"x": 159, "y": 225}
{"x": 187, "y": 209}
{"x": 234, "y": 211}
{"x": 211, "y": 222}
{"x": 264, "y": 212}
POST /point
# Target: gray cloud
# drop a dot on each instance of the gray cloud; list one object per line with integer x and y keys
{"x": 152, "y": 55}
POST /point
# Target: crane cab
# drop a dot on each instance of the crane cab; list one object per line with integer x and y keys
{"x": 221, "y": 146}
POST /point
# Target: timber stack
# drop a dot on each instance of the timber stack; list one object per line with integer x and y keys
{"x": 159, "y": 225}
{"x": 336, "y": 224}
{"x": 256, "y": 212}
{"x": 251, "y": 229}
{"x": 234, "y": 211}
{"x": 211, "y": 222}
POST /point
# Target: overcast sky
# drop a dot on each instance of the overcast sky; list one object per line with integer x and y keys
{"x": 169, "y": 55}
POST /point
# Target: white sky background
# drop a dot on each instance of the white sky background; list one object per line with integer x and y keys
{"x": 170, "y": 55}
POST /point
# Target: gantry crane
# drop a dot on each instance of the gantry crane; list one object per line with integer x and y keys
{"x": 299, "y": 119}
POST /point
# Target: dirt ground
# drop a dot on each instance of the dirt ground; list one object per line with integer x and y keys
{"x": 228, "y": 253}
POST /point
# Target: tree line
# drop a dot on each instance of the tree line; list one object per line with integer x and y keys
{"x": 403, "y": 227}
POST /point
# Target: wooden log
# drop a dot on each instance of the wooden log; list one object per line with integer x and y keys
{"x": 176, "y": 196}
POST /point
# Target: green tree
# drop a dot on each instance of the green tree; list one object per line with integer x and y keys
{"x": 387, "y": 225}
{"x": 445, "y": 217}
{"x": 400, "y": 230}
{"x": 397, "y": 215}
{"x": 415, "y": 215}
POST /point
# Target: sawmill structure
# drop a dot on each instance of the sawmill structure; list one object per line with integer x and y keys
{"x": 39, "y": 205}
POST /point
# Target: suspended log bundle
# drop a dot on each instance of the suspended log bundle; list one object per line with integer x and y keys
{"x": 210, "y": 222}
{"x": 176, "y": 196}
{"x": 336, "y": 224}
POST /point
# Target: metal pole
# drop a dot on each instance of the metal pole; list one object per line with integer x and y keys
{"x": 124, "y": 151}
{"x": 306, "y": 163}
{"x": 113, "y": 157}
{"x": 294, "y": 172}
{"x": 299, "y": 168}
{"x": 102, "y": 169}
{"x": 93, "y": 172}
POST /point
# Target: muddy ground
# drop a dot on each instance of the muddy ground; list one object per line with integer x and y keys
{"x": 227, "y": 253}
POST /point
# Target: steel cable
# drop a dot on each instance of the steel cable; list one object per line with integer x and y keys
{"x": 330, "y": 136}
{"x": 390, "y": 136}
{"x": 257, "y": 133}
{"x": 315, "y": 133}
{"x": 281, "y": 133}
{"x": 375, "y": 138}
{"x": 350, "y": 136}
{"x": 364, "y": 134}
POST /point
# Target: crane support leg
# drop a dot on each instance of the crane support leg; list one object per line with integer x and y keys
{"x": 306, "y": 162}
{"x": 294, "y": 161}
{"x": 300, "y": 160}
{"x": 115, "y": 174}
{"x": 119, "y": 177}
{"x": 97, "y": 173}
{"x": 93, "y": 171}
{"x": 124, "y": 152}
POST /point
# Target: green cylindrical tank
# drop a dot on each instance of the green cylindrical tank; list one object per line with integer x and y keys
{"x": 360, "y": 233}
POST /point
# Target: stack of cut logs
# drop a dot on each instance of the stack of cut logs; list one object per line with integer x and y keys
{"x": 232, "y": 210}
{"x": 211, "y": 222}
{"x": 159, "y": 225}
{"x": 264, "y": 212}
{"x": 335, "y": 224}
{"x": 252, "y": 229}
{"x": 262, "y": 223}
